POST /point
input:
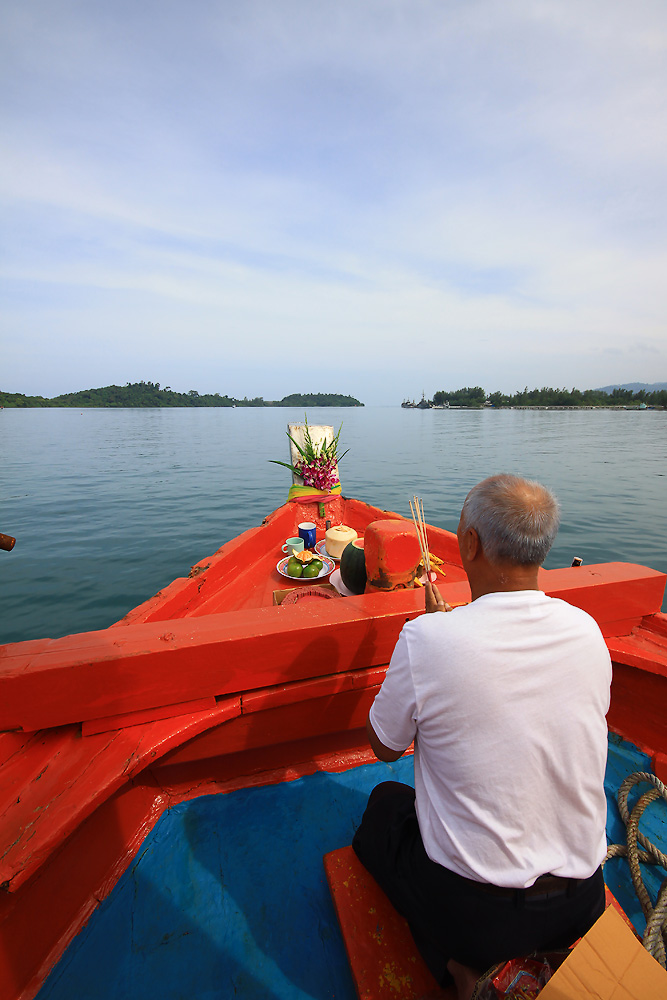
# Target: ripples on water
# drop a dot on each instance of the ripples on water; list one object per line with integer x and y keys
{"x": 109, "y": 505}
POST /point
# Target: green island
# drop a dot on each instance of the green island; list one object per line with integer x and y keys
{"x": 150, "y": 394}
{"x": 474, "y": 397}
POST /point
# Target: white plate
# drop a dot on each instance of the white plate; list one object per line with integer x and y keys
{"x": 327, "y": 566}
{"x": 335, "y": 579}
{"x": 321, "y": 550}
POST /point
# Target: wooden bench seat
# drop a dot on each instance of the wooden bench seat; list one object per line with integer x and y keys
{"x": 383, "y": 957}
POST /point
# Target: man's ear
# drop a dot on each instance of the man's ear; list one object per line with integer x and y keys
{"x": 472, "y": 544}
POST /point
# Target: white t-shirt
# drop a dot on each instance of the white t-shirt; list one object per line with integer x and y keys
{"x": 506, "y": 699}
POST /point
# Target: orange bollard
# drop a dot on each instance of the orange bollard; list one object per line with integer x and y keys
{"x": 392, "y": 555}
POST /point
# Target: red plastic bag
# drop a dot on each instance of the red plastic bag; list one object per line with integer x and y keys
{"x": 518, "y": 979}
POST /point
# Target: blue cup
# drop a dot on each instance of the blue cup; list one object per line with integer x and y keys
{"x": 307, "y": 531}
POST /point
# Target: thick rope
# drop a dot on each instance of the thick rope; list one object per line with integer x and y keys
{"x": 655, "y": 935}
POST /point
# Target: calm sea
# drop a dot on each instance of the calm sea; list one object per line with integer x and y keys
{"x": 109, "y": 505}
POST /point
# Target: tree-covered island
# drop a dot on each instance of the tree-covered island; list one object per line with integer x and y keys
{"x": 474, "y": 397}
{"x": 150, "y": 394}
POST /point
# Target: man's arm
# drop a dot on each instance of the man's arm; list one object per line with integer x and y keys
{"x": 379, "y": 749}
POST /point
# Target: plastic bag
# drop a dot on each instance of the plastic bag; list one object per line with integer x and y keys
{"x": 518, "y": 979}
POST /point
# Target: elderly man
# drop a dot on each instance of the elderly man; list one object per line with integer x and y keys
{"x": 497, "y": 851}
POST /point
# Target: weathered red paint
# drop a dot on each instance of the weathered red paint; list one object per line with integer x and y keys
{"x": 57, "y": 779}
{"x": 392, "y": 555}
{"x": 383, "y": 957}
{"x": 384, "y": 960}
{"x": 112, "y": 722}
{"x": 145, "y": 666}
{"x": 638, "y": 708}
{"x": 38, "y": 921}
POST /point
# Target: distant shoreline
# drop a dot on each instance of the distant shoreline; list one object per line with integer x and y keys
{"x": 146, "y": 395}
{"x": 476, "y": 398}
{"x": 538, "y": 406}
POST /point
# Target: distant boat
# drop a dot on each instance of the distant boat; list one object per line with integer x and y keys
{"x": 423, "y": 404}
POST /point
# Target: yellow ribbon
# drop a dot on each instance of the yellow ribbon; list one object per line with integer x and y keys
{"x": 302, "y": 492}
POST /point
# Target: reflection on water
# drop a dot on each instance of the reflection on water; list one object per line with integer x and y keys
{"x": 109, "y": 505}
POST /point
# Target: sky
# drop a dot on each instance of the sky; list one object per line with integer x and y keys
{"x": 371, "y": 197}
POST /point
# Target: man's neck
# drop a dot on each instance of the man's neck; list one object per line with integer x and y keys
{"x": 501, "y": 578}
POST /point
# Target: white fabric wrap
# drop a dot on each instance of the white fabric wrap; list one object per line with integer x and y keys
{"x": 506, "y": 699}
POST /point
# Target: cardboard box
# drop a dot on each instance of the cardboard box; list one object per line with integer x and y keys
{"x": 609, "y": 963}
{"x": 280, "y": 595}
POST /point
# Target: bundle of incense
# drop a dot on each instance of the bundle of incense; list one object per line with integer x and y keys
{"x": 417, "y": 511}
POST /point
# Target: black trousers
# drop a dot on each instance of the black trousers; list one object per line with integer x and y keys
{"x": 452, "y": 917}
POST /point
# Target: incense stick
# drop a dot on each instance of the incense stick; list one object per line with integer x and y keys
{"x": 416, "y": 517}
{"x": 420, "y": 525}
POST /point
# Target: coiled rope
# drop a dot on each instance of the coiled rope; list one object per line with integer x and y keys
{"x": 655, "y": 935}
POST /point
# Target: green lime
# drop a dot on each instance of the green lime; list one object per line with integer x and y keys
{"x": 312, "y": 569}
{"x": 295, "y": 568}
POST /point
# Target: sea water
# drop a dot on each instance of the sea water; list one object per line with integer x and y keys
{"x": 109, "y": 505}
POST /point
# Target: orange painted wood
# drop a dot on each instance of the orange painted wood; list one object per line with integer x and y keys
{"x": 39, "y": 920}
{"x": 281, "y": 724}
{"x": 148, "y": 715}
{"x": 99, "y": 674}
{"x": 34, "y": 932}
{"x": 291, "y": 694}
{"x": 644, "y": 649}
{"x": 54, "y": 778}
{"x": 656, "y": 624}
{"x": 638, "y": 709}
{"x": 242, "y": 572}
{"x": 612, "y": 593}
{"x": 11, "y": 744}
{"x": 383, "y": 957}
{"x": 59, "y": 779}
{"x": 224, "y": 567}
{"x": 266, "y": 766}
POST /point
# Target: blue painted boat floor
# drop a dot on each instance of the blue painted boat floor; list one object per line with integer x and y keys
{"x": 624, "y": 759}
{"x": 227, "y": 896}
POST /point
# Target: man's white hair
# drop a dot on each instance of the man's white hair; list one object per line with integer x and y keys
{"x": 516, "y": 519}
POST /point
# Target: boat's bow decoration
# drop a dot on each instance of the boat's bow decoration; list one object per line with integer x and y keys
{"x": 313, "y": 462}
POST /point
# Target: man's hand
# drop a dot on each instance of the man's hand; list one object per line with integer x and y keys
{"x": 434, "y": 601}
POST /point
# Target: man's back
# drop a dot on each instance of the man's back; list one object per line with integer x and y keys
{"x": 506, "y": 699}
{"x": 509, "y": 697}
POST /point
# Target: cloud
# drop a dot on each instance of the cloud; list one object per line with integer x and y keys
{"x": 466, "y": 191}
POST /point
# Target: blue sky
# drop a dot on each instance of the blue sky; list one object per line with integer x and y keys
{"x": 374, "y": 198}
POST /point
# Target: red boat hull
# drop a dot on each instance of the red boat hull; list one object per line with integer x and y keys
{"x": 209, "y": 686}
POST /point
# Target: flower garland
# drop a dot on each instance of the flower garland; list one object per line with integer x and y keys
{"x": 316, "y": 465}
